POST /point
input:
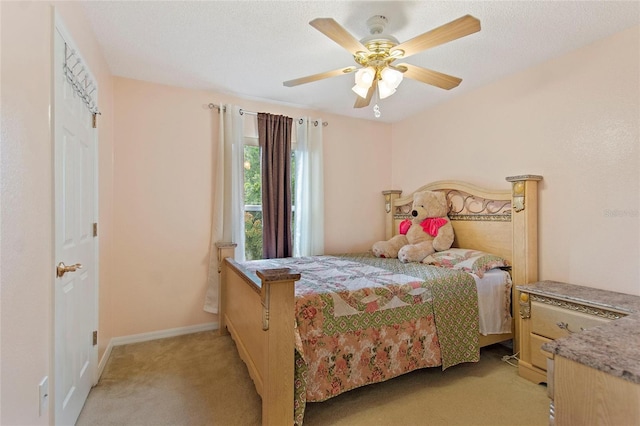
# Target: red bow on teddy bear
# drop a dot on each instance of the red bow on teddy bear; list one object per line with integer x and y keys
{"x": 430, "y": 225}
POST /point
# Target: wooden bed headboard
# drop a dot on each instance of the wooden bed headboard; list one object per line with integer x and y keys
{"x": 503, "y": 222}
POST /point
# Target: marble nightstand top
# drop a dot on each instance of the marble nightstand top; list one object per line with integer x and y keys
{"x": 613, "y": 347}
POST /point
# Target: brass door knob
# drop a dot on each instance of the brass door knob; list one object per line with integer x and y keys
{"x": 61, "y": 269}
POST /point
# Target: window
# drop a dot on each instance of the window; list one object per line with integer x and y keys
{"x": 253, "y": 198}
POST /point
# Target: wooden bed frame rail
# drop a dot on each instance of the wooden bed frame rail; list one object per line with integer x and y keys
{"x": 257, "y": 310}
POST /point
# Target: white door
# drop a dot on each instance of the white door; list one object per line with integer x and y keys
{"x": 75, "y": 355}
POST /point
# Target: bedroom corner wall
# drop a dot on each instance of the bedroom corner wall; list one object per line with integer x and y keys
{"x": 575, "y": 120}
{"x": 161, "y": 233}
{"x": 163, "y": 197}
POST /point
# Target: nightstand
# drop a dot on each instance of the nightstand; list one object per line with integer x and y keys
{"x": 587, "y": 340}
{"x": 549, "y": 310}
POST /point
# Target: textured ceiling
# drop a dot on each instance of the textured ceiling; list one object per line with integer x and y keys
{"x": 248, "y": 48}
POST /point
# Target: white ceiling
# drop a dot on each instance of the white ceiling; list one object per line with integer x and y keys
{"x": 248, "y": 48}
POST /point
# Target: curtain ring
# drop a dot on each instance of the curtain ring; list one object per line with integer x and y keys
{"x": 300, "y": 120}
{"x": 241, "y": 112}
{"x": 315, "y": 123}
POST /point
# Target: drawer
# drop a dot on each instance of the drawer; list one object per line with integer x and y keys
{"x": 545, "y": 319}
{"x": 537, "y": 357}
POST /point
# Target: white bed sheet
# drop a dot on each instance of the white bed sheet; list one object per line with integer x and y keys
{"x": 494, "y": 301}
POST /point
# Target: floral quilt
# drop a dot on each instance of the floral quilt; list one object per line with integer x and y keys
{"x": 362, "y": 320}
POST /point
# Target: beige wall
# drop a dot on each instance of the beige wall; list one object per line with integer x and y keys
{"x": 574, "y": 120}
{"x": 162, "y": 207}
{"x": 163, "y": 197}
{"x": 26, "y": 202}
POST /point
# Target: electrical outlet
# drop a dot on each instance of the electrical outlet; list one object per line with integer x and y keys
{"x": 43, "y": 392}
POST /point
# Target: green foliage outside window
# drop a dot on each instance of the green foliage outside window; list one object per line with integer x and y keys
{"x": 252, "y": 176}
{"x": 253, "y": 235}
{"x": 252, "y": 197}
{"x": 253, "y": 200}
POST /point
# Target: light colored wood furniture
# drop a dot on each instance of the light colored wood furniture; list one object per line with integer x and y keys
{"x": 581, "y": 395}
{"x": 548, "y": 315}
{"x": 259, "y": 312}
{"x": 587, "y": 341}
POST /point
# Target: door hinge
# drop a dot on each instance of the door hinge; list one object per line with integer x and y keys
{"x": 95, "y": 337}
{"x": 95, "y": 229}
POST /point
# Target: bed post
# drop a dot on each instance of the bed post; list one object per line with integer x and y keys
{"x": 278, "y": 319}
{"x": 224, "y": 250}
{"x": 524, "y": 215}
{"x": 389, "y": 197}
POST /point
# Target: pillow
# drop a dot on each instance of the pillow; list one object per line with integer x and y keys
{"x": 473, "y": 261}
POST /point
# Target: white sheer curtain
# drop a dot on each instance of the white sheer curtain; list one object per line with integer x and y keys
{"x": 228, "y": 197}
{"x": 308, "y": 237}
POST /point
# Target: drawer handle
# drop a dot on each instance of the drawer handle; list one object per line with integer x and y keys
{"x": 565, "y": 326}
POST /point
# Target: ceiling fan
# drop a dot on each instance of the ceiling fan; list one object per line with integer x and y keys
{"x": 376, "y": 55}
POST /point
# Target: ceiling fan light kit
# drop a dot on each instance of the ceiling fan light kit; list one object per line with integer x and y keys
{"x": 384, "y": 90}
{"x": 391, "y": 76}
{"x": 365, "y": 76}
{"x": 388, "y": 80}
{"x": 376, "y": 53}
{"x": 361, "y": 90}
{"x": 364, "y": 79}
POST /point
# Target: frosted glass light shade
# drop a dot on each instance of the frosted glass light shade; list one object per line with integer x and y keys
{"x": 361, "y": 91}
{"x": 365, "y": 76}
{"x": 391, "y": 77}
{"x": 385, "y": 90}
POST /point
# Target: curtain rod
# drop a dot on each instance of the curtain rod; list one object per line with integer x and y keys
{"x": 244, "y": 111}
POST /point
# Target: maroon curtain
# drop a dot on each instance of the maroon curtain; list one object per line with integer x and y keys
{"x": 274, "y": 133}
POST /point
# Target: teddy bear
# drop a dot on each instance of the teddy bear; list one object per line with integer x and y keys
{"x": 429, "y": 231}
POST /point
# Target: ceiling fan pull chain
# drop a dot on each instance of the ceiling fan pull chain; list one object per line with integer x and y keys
{"x": 376, "y": 108}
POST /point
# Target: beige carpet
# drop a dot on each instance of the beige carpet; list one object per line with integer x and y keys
{"x": 199, "y": 379}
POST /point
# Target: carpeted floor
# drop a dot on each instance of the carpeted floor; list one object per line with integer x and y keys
{"x": 198, "y": 379}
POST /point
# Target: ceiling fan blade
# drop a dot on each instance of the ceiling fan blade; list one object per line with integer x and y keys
{"x": 433, "y": 78}
{"x": 337, "y": 33}
{"x": 363, "y": 102}
{"x": 448, "y": 32}
{"x": 316, "y": 77}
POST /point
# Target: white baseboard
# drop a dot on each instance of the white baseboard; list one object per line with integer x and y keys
{"x": 161, "y": 334}
{"x": 153, "y": 335}
{"x": 104, "y": 359}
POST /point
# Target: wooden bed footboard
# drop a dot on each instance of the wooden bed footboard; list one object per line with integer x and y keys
{"x": 259, "y": 315}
